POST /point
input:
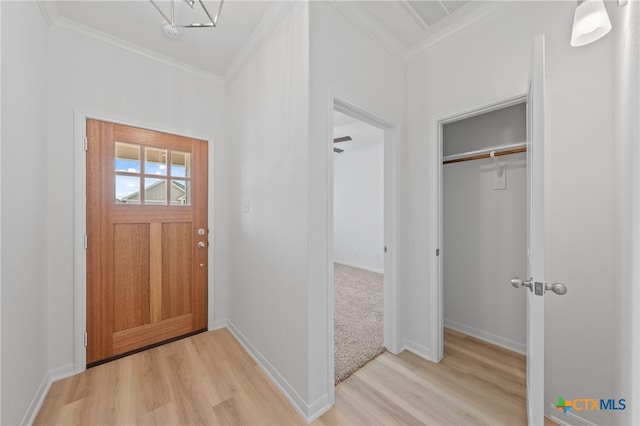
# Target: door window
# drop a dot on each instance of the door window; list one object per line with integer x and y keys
{"x": 162, "y": 185}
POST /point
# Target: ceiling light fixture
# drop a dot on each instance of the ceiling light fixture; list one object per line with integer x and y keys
{"x": 172, "y": 28}
{"x": 590, "y": 22}
{"x": 171, "y": 31}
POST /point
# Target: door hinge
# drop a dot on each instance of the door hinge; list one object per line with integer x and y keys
{"x": 86, "y": 339}
{"x": 385, "y": 249}
{"x": 86, "y": 241}
{"x": 86, "y": 144}
{"x": 437, "y": 252}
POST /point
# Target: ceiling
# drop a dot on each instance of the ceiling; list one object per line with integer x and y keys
{"x": 137, "y": 24}
{"x": 408, "y": 21}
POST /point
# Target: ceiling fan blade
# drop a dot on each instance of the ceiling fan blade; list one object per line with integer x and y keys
{"x": 342, "y": 139}
{"x": 338, "y": 150}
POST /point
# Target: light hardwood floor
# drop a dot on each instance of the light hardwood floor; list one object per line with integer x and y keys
{"x": 209, "y": 379}
{"x": 475, "y": 384}
{"x": 204, "y": 379}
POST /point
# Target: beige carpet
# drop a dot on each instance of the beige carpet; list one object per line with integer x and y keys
{"x": 357, "y": 319}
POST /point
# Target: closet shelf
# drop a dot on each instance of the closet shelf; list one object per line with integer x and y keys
{"x": 485, "y": 153}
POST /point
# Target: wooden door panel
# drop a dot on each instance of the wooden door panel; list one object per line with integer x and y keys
{"x": 176, "y": 265}
{"x": 125, "y": 214}
{"x": 98, "y": 270}
{"x": 131, "y": 292}
{"x": 148, "y": 334}
{"x": 146, "y": 276}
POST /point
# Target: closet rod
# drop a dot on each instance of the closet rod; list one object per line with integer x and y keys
{"x": 485, "y": 153}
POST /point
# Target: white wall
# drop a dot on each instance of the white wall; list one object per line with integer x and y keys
{"x": 268, "y": 104}
{"x": 627, "y": 212}
{"x": 24, "y": 237}
{"x": 96, "y": 78}
{"x": 350, "y": 65}
{"x": 358, "y": 194}
{"x": 0, "y": 219}
{"x": 278, "y": 292}
{"x": 490, "y": 61}
{"x": 485, "y": 235}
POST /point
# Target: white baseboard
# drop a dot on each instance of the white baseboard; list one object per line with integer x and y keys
{"x": 512, "y": 345}
{"x": 61, "y": 372}
{"x": 355, "y": 265}
{"x": 568, "y": 419}
{"x": 222, "y": 323}
{"x": 38, "y": 399}
{"x": 309, "y": 412}
{"x": 318, "y": 408}
{"x": 415, "y": 348}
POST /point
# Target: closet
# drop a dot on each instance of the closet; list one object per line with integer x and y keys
{"x": 484, "y": 225}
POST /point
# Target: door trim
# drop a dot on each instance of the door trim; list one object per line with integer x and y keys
{"x": 390, "y": 315}
{"x": 80, "y": 225}
{"x": 435, "y": 224}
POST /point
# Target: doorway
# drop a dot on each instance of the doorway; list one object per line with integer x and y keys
{"x": 484, "y": 223}
{"x": 358, "y": 207}
{"x": 147, "y": 238}
{"x": 483, "y": 185}
{"x": 390, "y": 341}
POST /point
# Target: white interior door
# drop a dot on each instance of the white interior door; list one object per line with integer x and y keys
{"x": 535, "y": 234}
{"x": 536, "y": 285}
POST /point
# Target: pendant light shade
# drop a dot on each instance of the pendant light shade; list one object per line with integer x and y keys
{"x": 590, "y": 23}
{"x": 186, "y": 9}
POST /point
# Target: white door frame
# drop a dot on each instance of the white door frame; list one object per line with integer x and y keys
{"x": 80, "y": 225}
{"x": 390, "y": 314}
{"x": 436, "y": 311}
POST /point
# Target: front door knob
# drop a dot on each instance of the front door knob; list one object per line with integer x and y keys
{"x": 202, "y": 244}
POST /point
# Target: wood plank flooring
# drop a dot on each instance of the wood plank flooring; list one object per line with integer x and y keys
{"x": 475, "y": 384}
{"x": 204, "y": 379}
{"x": 210, "y": 379}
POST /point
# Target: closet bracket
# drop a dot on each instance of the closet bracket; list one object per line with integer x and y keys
{"x": 498, "y": 165}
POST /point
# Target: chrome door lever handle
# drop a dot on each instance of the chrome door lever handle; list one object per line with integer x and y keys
{"x": 517, "y": 282}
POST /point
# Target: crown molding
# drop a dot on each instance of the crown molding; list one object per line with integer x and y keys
{"x": 444, "y": 6}
{"x": 274, "y": 15}
{"x": 371, "y": 28}
{"x": 72, "y": 28}
{"x": 50, "y": 11}
{"x": 276, "y": 12}
{"x": 461, "y": 20}
{"x": 458, "y": 22}
{"x": 416, "y": 17}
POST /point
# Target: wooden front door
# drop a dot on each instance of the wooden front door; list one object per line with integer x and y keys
{"x": 146, "y": 238}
